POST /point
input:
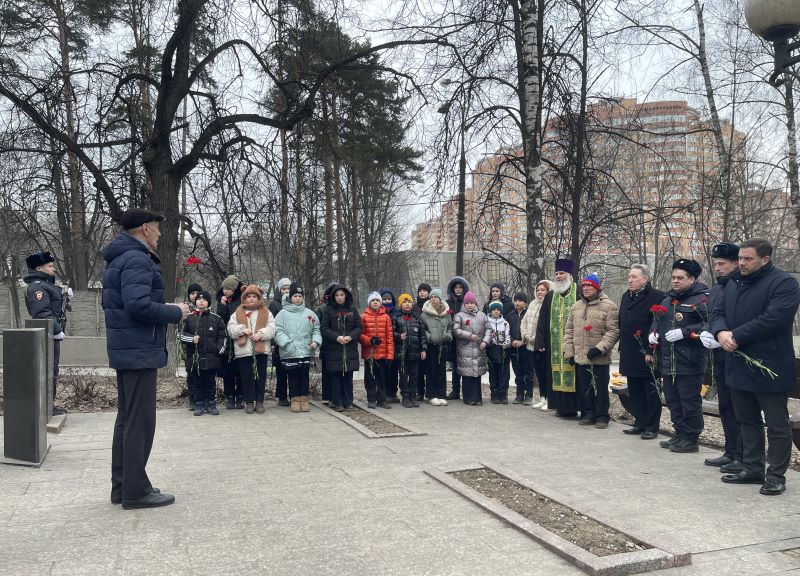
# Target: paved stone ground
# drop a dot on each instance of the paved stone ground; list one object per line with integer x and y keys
{"x": 300, "y": 494}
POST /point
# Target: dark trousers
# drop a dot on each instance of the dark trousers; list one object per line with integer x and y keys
{"x": 281, "y": 378}
{"x": 134, "y": 429}
{"x": 56, "y": 360}
{"x": 409, "y": 374}
{"x": 748, "y": 407}
{"x": 540, "y": 368}
{"x": 500, "y": 377}
{"x": 472, "y": 389}
{"x": 231, "y": 384}
{"x": 326, "y": 383}
{"x": 205, "y": 386}
{"x": 252, "y": 386}
{"x": 455, "y": 385}
{"x": 682, "y": 395}
{"x": 592, "y": 398}
{"x": 646, "y": 403}
{"x": 341, "y": 387}
{"x": 392, "y": 377}
{"x": 727, "y": 413}
{"x": 436, "y": 375}
{"x": 298, "y": 381}
{"x": 422, "y": 367}
{"x": 375, "y": 376}
{"x": 522, "y": 363}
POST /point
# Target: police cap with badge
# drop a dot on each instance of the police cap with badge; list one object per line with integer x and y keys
{"x": 40, "y": 258}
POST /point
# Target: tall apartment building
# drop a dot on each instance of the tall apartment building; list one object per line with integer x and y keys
{"x": 654, "y": 163}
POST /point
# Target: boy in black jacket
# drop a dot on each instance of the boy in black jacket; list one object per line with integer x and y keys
{"x": 203, "y": 337}
{"x": 521, "y": 357}
{"x": 410, "y": 347}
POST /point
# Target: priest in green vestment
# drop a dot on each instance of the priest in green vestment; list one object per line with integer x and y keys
{"x": 550, "y": 340}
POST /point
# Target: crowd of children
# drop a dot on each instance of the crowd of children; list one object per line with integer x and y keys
{"x": 405, "y": 345}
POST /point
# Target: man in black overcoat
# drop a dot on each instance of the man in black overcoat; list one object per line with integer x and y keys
{"x": 753, "y": 321}
{"x": 635, "y": 355}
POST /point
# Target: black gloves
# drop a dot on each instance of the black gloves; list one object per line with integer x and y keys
{"x": 375, "y": 341}
{"x": 571, "y": 361}
{"x": 593, "y": 353}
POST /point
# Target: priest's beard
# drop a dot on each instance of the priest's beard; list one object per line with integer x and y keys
{"x": 563, "y": 286}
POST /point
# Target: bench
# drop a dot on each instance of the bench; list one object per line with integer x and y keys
{"x": 711, "y": 407}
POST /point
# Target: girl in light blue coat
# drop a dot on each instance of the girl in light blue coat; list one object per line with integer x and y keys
{"x": 298, "y": 337}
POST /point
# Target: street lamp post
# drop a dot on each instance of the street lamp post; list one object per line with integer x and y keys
{"x": 777, "y": 21}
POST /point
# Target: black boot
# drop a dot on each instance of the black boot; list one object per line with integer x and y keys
{"x": 407, "y": 402}
{"x": 685, "y": 445}
{"x": 672, "y": 441}
{"x": 518, "y": 399}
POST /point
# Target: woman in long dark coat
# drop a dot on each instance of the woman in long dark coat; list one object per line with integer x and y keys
{"x": 340, "y": 325}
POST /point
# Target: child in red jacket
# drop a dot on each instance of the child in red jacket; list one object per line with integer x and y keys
{"x": 377, "y": 348}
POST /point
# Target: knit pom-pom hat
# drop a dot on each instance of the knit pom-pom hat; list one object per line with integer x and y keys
{"x": 470, "y": 297}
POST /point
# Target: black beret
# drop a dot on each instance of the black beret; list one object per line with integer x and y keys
{"x": 39, "y": 259}
{"x": 691, "y": 267}
{"x": 135, "y": 217}
{"x": 727, "y": 250}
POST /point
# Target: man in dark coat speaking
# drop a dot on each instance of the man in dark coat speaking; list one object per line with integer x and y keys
{"x": 136, "y": 332}
{"x": 753, "y": 321}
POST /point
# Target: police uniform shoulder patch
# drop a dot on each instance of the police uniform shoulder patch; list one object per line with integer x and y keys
{"x": 39, "y": 295}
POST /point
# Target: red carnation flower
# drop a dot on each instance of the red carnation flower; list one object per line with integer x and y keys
{"x": 658, "y": 309}
{"x": 467, "y": 322}
{"x": 638, "y": 333}
{"x": 675, "y": 302}
{"x": 693, "y": 335}
{"x": 193, "y": 260}
{"x": 588, "y": 327}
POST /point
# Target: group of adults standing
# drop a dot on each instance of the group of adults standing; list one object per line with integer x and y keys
{"x": 744, "y": 323}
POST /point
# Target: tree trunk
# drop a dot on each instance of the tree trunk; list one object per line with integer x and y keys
{"x": 328, "y": 184}
{"x": 578, "y": 196}
{"x": 723, "y": 182}
{"x": 337, "y": 188}
{"x": 75, "y": 215}
{"x": 529, "y": 94}
{"x": 791, "y": 135}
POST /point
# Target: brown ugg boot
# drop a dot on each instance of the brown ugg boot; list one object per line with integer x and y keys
{"x": 295, "y": 404}
{"x": 304, "y": 404}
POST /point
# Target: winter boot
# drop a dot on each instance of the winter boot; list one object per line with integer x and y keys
{"x": 686, "y": 445}
{"x": 239, "y": 403}
{"x": 667, "y": 444}
{"x": 295, "y": 407}
{"x": 249, "y": 408}
{"x": 212, "y": 409}
{"x": 230, "y": 403}
{"x": 199, "y": 408}
{"x": 407, "y": 402}
{"x": 304, "y": 404}
{"x": 527, "y": 399}
{"x": 414, "y": 401}
{"x": 518, "y": 399}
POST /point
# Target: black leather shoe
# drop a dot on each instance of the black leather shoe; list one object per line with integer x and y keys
{"x": 453, "y": 396}
{"x": 646, "y": 435}
{"x": 772, "y": 487}
{"x": 632, "y": 431}
{"x": 284, "y": 402}
{"x": 684, "y": 446}
{"x": 117, "y": 498}
{"x": 670, "y": 442}
{"x": 742, "y": 478}
{"x": 151, "y": 500}
{"x": 721, "y": 461}
{"x": 57, "y": 411}
{"x": 732, "y": 468}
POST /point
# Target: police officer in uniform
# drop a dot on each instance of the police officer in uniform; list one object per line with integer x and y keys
{"x": 45, "y": 300}
{"x": 725, "y": 257}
